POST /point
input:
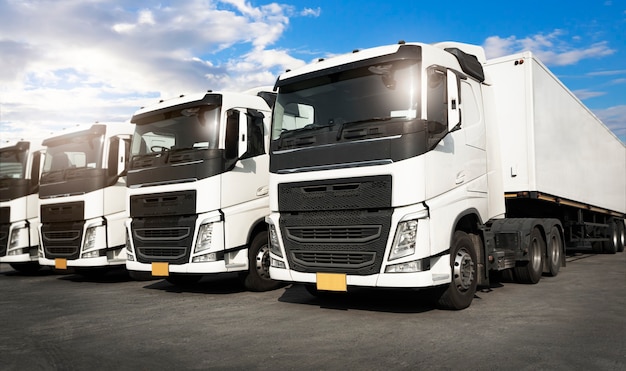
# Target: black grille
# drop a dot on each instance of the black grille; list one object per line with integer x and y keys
{"x": 354, "y": 244}
{"x": 163, "y": 238}
{"x": 62, "y": 240}
{"x": 162, "y": 252}
{"x": 162, "y": 233}
{"x": 350, "y": 234}
{"x": 334, "y": 259}
{"x": 336, "y": 194}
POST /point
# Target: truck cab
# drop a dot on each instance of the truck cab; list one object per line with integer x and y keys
{"x": 20, "y": 166}
{"x": 82, "y": 198}
{"x": 198, "y": 188}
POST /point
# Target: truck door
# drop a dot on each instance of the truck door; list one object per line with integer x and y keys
{"x": 245, "y": 185}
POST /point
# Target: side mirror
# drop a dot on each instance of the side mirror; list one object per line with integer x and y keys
{"x": 454, "y": 113}
{"x": 121, "y": 157}
{"x": 243, "y": 134}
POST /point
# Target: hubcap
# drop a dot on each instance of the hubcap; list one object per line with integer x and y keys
{"x": 263, "y": 262}
{"x": 536, "y": 256}
{"x": 555, "y": 250}
{"x": 463, "y": 270}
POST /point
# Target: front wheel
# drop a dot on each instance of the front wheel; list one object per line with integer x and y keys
{"x": 257, "y": 278}
{"x": 463, "y": 262}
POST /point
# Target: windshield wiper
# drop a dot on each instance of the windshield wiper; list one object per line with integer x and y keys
{"x": 343, "y": 125}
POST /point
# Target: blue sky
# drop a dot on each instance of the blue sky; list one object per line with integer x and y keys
{"x": 69, "y": 62}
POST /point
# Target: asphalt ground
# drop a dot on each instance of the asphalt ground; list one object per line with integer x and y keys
{"x": 52, "y": 321}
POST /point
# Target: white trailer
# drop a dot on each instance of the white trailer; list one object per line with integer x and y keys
{"x": 427, "y": 166}
{"x": 19, "y": 215}
{"x": 82, "y": 195}
{"x": 198, "y": 188}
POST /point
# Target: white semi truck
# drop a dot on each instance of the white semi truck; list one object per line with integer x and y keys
{"x": 82, "y": 195}
{"x": 198, "y": 188}
{"x": 428, "y": 166}
{"x": 20, "y": 164}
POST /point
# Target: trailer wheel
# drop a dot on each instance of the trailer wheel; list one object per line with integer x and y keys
{"x": 257, "y": 278}
{"x": 463, "y": 262}
{"x": 621, "y": 235}
{"x": 555, "y": 250}
{"x": 530, "y": 271}
{"x": 612, "y": 245}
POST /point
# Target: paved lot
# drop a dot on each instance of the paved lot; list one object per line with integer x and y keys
{"x": 575, "y": 321}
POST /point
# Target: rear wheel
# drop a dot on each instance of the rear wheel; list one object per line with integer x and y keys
{"x": 258, "y": 276}
{"x": 612, "y": 245}
{"x": 463, "y": 263}
{"x": 530, "y": 271}
{"x": 621, "y": 234}
{"x": 555, "y": 250}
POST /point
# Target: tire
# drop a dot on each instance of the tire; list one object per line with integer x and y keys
{"x": 26, "y": 268}
{"x": 554, "y": 252}
{"x": 463, "y": 264}
{"x": 621, "y": 235}
{"x": 257, "y": 278}
{"x": 612, "y": 245}
{"x": 183, "y": 280}
{"x": 530, "y": 271}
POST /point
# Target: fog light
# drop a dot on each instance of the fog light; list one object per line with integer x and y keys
{"x": 210, "y": 257}
{"x": 130, "y": 257}
{"x": 409, "y": 267}
{"x": 90, "y": 254}
{"x": 275, "y": 263}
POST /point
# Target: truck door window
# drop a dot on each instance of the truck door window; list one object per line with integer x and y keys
{"x": 232, "y": 135}
{"x": 436, "y": 96}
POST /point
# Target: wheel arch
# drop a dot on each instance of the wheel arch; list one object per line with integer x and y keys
{"x": 258, "y": 226}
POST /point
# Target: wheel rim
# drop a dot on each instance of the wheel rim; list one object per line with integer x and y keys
{"x": 554, "y": 250}
{"x": 263, "y": 262}
{"x": 616, "y": 236}
{"x": 535, "y": 258}
{"x": 463, "y": 270}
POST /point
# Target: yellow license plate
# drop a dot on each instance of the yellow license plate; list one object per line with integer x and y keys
{"x": 332, "y": 282}
{"x": 60, "y": 263}
{"x": 160, "y": 269}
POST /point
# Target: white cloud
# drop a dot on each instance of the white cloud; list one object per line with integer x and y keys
{"x": 73, "y": 61}
{"x": 310, "y": 12}
{"x": 615, "y": 119}
{"x": 552, "y": 49}
{"x": 583, "y": 94}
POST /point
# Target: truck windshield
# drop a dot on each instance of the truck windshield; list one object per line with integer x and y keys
{"x": 327, "y": 106}
{"x": 188, "y": 129}
{"x": 79, "y": 152}
{"x": 12, "y": 163}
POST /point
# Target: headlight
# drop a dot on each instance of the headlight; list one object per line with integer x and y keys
{"x": 19, "y": 238}
{"x": 90, "y": 243}
{"x": 129, "y": 247}
{"x": 273, "y": 240}
{"x": 90, "y": 238}
{"x": 404, "y": 242}
{"x": 203, "y": 242}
